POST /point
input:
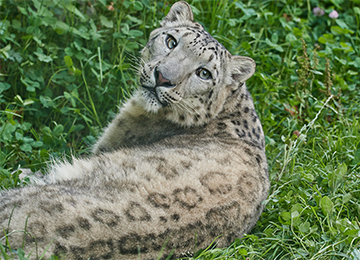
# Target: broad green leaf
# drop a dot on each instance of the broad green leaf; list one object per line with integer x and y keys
{"x": 297, "y": 207}
{"x": 16, "y": 24}
{"x": 297, "y": 32}
{"x": 337, "y": 177}
{"x": 4, "y": 86}
{"x": 339, "y": 30}
{"x": 125, "y": 28}
{"x": 269, "y": 141}
{"x": 342, "y": 61}
{"x": 134, "y": 19}
{"x": 247, "y": 11}
{"x": 103, "y": 2}
{"x": 49, "y": 21}
{"x": 77, "y": 72}
{"x": 131, "y": 46}
{"x": 41, "y": 9}
{"x": 341, "y": 23}
{"x": 28, "y": 139}
{"x": 26, "y": 147}
{"x": 15, "y": 56}
{"x": 46, "y": 131}
{"x": 336, "y": 29}
{"x": 309, "y": 177}
{"x": 304, "y": 227}
{"x": 352, "y": 232}
{"x": 271, "y": 44}
{"x": 4, "y": 51}
{"x": 357, "y": 10}
{"x": 337, "y": 3}
{"x": 42, "y": 57}
{"x": 59, "y": 129}
{"x": 279, "y": 48}
{"x": 118, "y": 35}
{"x": 25, "y": 126}
{"x": 232, "y": 22}
{"x": 30, "y": 84}
{"x": 242, "y": 251}
{"x": 80, "y": 55}
{"x": 295, "y": 214}
{"x": 68, "y": 61}
{"x": 346, "y": 47}
{"x": 19, "y": 136}
{"x": 326, "y": 205}
{"x": 285, "y": 24}
{"x": 44, "y": 153}
{"x": 65, "y": 110}
{"x": 347, "y": 197}
{"x": 37, "y": 22}
{"x": 46, "y": 101}
{"x": 135, "y": 33}
{"x": 290, "y": 37}
{"x": 61, "y": 27}
{"x": 22, "y": 10}
{"x": 245, "y": 45}
{"x": 327, "y": 38}
{"x": 314, "y": 228}
{"x": 269, "y": 16}
{"x": 356, "y": 62}
{"x": 69, "y": 51}
{"x": 285, "y": 217}
{"x": 274, "y": 38}
{"x": 138, "y": 5}
{"x": 322, "y": 40}
{"x": 74, "y": 10}
{"x": 36, "y": 144}
{"x": 76, "y": 128}
{"x": 105, "y": 22}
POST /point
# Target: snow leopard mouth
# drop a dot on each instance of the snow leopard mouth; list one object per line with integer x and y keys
{"x": 153, "y": 93}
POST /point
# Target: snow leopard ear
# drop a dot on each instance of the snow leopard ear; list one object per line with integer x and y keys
{"x": 180, "y": 12}
{"x": 242, "y": 68}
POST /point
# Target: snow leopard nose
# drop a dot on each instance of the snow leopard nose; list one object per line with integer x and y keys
{"x": 161, "y": 81}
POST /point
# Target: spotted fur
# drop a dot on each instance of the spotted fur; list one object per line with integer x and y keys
{"x": 182, "y": 164}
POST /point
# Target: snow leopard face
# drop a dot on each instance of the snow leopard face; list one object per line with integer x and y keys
{"x": 187, "y": 72}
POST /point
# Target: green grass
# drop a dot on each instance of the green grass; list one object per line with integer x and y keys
{"x": 66, "y": 65}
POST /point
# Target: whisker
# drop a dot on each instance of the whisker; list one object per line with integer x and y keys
{"x": 136, "y": 68}
{"x": 189, "y": 105}
{"x": 137, "y": 62}
{"x": 183, "y": 107}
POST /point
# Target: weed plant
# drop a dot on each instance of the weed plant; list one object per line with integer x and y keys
{"x": 66, "y": 65}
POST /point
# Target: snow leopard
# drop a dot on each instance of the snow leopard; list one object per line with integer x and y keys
{"x": 181, "y": 167}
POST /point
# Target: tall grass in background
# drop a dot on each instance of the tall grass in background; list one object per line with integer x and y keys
{"x": 66, "y": 65}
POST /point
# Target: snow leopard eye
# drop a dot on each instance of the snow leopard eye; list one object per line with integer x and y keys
{"x": 171, "y": 43}
{"x": 203, "y": 73}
